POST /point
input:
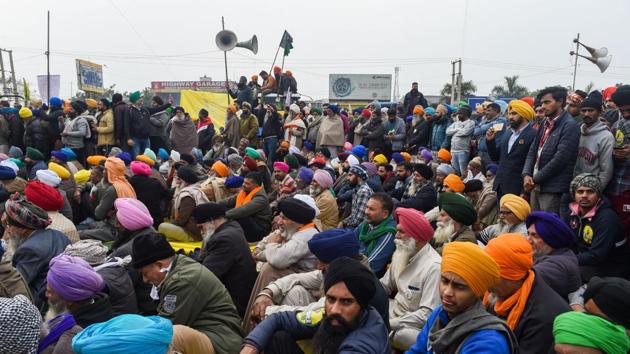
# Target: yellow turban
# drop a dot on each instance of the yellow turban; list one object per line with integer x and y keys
{"x": 95, "y": 159}
{"x": 146, "y": 159}
{"x": 91, "y": 103}
{"x": 59, "y": 170}
{"x": 82, "y": 176}
{"x": 380, "y": 159}
{"x": 522, "y": 108}
{"x": 472, "y": 264}
{"x": 517, "y": 205}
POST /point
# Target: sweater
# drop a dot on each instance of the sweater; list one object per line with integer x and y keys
{"x": 461, "y": 133}
{"x": 595, "y": 152}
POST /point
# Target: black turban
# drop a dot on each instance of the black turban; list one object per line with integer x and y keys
{"x": 208, "y": 211}
{"x": 187, "y": 174}
{"x": 612, "y": 296}
{"x": 296, "y": 210}
{"x": 358, "y": 279}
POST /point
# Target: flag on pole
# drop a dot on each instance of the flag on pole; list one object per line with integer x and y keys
{"x": 286, "y": 43}
{"x": 27, "y": 91}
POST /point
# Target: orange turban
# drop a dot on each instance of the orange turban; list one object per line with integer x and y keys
{"x": 513, "y": 254}
{"x": 95, "y": 159}
{"x": 221, "y": 169}
{"x": 418, "y": 110}
{"x": 455, "y": 183}
{"x": 444, "y": 154}
{"x": 517, "y": 205}
{"x": 146, "y": 159}
{"x": 406, "y": 156}
{"x": 472, "y": 264}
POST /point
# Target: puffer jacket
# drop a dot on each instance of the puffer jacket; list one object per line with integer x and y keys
{"x": 37, "y": 135}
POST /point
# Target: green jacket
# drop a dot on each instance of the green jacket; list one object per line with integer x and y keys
{"x": 258, "y": 209}
{"x": 192, "y": 296}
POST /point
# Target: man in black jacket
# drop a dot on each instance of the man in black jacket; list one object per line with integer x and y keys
{"x": 548, "y": 169}
{"x": 119, "y": 107}
{"x": 55, "y": 118}
{"x": 137, "y": 125}
{"x": 414, "y": 98}
{"x": 226, "y": 252}
{"x": 205, "y": 131}
{"x": 243, "y": 93}
{"x": 512, "y": 151}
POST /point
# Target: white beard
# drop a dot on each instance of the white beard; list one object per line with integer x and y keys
{"x": 405, "y": 250}
{"x": 13, "y": 242}
{"x": 503, "y": 228}
{"x": 55, "y": 309}
{"x": 443, "y": 232}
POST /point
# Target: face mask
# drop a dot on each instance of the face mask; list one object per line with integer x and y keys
{"x": 154, "y": 290}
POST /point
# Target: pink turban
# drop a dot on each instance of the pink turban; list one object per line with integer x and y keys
{"x": 347, "y": 146}
{"x": 140, "y": 168}
{"x": 323, "y": 178}
{"x": 132, "y": 214}
{"x": 73, "y": 279}
{"x": 279, "y": 165}
{"x": 414, "y": 224}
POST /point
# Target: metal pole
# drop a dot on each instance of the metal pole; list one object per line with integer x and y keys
{"x": 15, "y": 90}
{"x": 274, "y": 60}
{"x": 227, "y": 81}
{"x": 459, "y": 81}
{"x": 453, "y": 82}
{"x": 577, "y": 48}
{"x": 48, "y": 62}
{"x": 4, "y": 82}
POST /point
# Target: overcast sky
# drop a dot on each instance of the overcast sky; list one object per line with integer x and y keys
{"x": 158, "y": 40}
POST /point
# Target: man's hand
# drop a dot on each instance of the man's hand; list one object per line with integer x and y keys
{"x": 130, "y": 142}
{"x": 528, "y": 183}
{"x": 275, "y": 237}
{"x": 249, "y": 349}
{"x": 577, "y": 307}
{"x": 622, "y": 154}
{"x": 258, "y": 309}
{"x": 490, "y": 134}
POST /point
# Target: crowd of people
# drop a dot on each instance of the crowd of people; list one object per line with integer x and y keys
{"x": 296, "y": 228}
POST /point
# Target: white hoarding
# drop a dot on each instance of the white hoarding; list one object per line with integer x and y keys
{"x": 360, "y": 87}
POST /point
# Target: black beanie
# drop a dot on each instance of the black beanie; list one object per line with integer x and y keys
{"x": 358, "y": 279}
{"x": 621, "y": 97}
{"x": 424, "y": 170}
{"x": 473, "y": 185}
{"x": 612, "y": 296}
{"x": 593, "y": 100}
{"x": 150, "y": 248}
{"x": 187, "y": 174}
{"x": 208, "y": 211}
{"x": 296, "y": 210}
{"x": 188, "y": 158}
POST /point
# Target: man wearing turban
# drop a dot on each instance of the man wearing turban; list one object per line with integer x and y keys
{"x": 607, "y": 298}
{"x": 602, "y": 248}
{"x": 346, "y": 323}
{"x": 461, "y": 322}
{"x": 456, "y": 215}
{"x": 324, "y": 199}
{"x": 521, "y": 297}
{"x": 283, "y": 184}
{"x": 412, "y": 278}
{"x": 76, "y": 300}
{"x": 149, "y": 190}
{"x": 512, "y": 213}
{"x": 30, "y": 243}
{"x": 420, "y": 193}
{"x": 511, "y": 151}
{"x": 20, "y": 324}
{"x": 578, "y": 332}
{"x": 551, "y": 240}
{"x": 302, "y": 291}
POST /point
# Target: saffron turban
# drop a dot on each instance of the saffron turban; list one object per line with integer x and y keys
{"x": 513, "y": 254}
{"x": 95, "y": 159}
{"x": 444, "y": 155}
{"x": 471, "y": 263}
{"x": 146, "y": 159}
{"x": 73, "y": 279}
{"x": 455, "y": 183}
{"x": 220, "y": 169}
{"x": 414, "y": 224}
{"x": 380, "y": 159}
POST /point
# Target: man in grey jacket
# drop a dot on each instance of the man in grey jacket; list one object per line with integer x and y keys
{"x": 394, "y": 132}
{"x": 76, "y": 129}
{"x": 159, "y": 121}
{"x": 461, "y": 132}
{"x": 596, "y": 141}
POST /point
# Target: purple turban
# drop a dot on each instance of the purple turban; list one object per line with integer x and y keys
{"x": 553, "y": 230}
{"x": 370, "y": 168}
{"x": 73, "y": 279}
{"x": 426, "y": 154}
{"x": 323, "y": 178}
{"x": 306, "y": 175}
{"x": 132, "y": 214}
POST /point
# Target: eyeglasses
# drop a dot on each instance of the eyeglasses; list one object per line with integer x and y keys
{"x": 505, "y": 212}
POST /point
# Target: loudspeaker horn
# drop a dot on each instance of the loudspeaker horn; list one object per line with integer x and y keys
{"x": 597, "y": 53}
{"x": 226, "y": 40}
{"x": 251, "y": 44}
{"x": 602, "y": 63}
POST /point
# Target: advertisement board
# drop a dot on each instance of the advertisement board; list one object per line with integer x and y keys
{"x": 42, "y": 86}
{"x": 176, "y": 86}
{"x": 90, "y": 76}
{"x": 360, "y": 87}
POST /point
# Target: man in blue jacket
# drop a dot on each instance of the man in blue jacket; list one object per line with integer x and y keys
{"x": 491, "y": 119}
{"x": 376, "y": 233}
{"x": 549, "y": 165}
{"x": 347, "y": 324}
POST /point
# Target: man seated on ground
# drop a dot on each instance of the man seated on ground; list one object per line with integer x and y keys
{"x": 412, "y": 279}
{"x": 554, "y": 261}
{"x": 357, "y": 177}
{"x": 475, "y": 171}
{"x": 347, "y": 324}
{"x": 12, "y": 283}
{"x": 454, "y": 221}
{"x": 404, "y": 176}
{"x": 214, "y": 186}
{"x": 283, "y": 184}
{"x": 226, "y": 252}
{"x": 250, "y": 208}
{"x": 485, "y": 201}
{"x": 441, "y": 172}
{"x": 522, "y": 298}
{"x": 199, "y": 306}
{"x": 49, "y": 199}
{"x": 29, "y": 244}
{"x": 376, "y": 234}
{"x": 512, "y": 213}
{"x": 602, "y": 248}
{"x": 608, "y": 298}
{"x": 305, "y": 291}
{"x": 420, "y": 193}
{"x": 324, "y": 199}
{"x": 581, "y": 333}
{"x": 75, "y": 299}
{"x": 19, "y": 339}
{"x": 460, "y": 323}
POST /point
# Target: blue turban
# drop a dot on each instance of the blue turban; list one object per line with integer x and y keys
{"x": 234, "y": 182}
{"x": 398, "y": 158}
{"x": 56, "y": 102}
{"x": 377, "y": 105}
{"x": 16, "y": 152}
{"x": 6, "y": 173}
{"x": 125, "y": 334}
{"x": 306, "y": 175}
{"x": 308, "y": 145}
{"x": 125, "y": 157}
{"x": 430, "y": 111}
{"x": 492, "y": 168}
{"x": 360, "y": 151}
{"x": 409, "y": 119}
{"x": 69, "y": 154}
{"x": 334, "y": 108}
{"x": 359, "y": 171}
{"x": 60, "y": 155}
{"x": 553, "y": 230}
{"x": 163, "y": 154}
{"x": 334, "y": 243}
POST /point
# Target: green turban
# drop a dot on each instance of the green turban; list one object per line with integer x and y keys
{"x": 578, "y": 328}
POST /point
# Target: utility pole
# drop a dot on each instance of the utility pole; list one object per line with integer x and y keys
{"x": 453, "y": 82}
{"x": 4, "y": 81}
{"x": 48, "y": 61}
{"x": 577, "y": 48}
{"x": 396, "y": 85}
{"x": 5, "y": 87}
{"x": 459, "y": 81}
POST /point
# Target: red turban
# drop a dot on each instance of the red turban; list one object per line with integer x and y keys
{"x": 414, "y": 224}
{"x": 44, "y": 196}
{"x": 250, "y": 163}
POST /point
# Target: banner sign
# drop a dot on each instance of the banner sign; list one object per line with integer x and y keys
{"x": 360, "y": 87}
{"x": 175, "y": 86}
{"x": 42, "y": 86}
{"x": 90, "y": 76}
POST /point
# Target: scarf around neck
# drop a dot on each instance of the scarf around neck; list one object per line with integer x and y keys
{"x": 243, "y": 198}
{"x": 513, "y": 307}
{"x": 371, "y": 237}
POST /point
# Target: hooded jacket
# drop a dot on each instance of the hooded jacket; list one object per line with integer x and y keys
{"x": 595, "y": 152}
